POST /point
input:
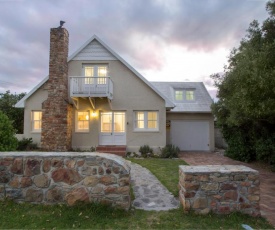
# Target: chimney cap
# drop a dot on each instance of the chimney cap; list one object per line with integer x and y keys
{"x": 61, "y": 24}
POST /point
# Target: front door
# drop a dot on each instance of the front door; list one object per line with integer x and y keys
{"x": 112, "y": 128}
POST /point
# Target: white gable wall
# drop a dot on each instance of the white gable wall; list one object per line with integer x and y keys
{"x": 94, "y": 51}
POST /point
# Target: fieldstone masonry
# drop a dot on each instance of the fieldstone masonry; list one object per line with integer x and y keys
{"x": 51, "y": 178}
{"x": 56, "y": 133}
{"x": 219, "y": 188}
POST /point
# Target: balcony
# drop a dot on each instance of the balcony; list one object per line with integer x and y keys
{"x": 91, "y": 87}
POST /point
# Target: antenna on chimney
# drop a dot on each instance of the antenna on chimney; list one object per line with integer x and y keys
{"x": 61, "y": 24}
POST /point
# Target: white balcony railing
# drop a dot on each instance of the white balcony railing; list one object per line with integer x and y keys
{"x": 91, "y": 87}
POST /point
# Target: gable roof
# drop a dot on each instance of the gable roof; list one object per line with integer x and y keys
{"x": 81, "y": 54}
{"x": 168, "y": 102}
{"x": 21, "y": 103}
{"x": 202, "y": 103}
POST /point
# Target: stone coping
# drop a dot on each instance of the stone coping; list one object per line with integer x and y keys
{"x": 217, "y": 168}
{"x": 113, "y": 157}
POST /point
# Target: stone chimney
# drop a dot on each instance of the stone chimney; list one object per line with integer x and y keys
{"x": 56, "y": 132}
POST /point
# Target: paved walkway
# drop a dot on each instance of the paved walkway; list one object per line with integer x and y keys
{"x": 267, "y": 178}
{"x": 150, "y": 194}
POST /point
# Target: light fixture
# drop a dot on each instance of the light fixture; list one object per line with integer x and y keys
{"x": 94, "y": 113}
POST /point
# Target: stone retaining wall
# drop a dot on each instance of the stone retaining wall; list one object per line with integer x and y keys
{"x": 65, "y": 178}
{"x": 219, "y": 188}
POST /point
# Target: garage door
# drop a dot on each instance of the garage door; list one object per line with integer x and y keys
{"x": 190, "y": 135}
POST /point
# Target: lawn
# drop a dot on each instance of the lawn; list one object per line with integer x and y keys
{"x": 94, "y": 216}
{"x": 29, "y": 216}
{"x": 166, "y": 170}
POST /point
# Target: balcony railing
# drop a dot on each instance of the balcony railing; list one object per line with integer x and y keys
{"x": 91, "y": 87}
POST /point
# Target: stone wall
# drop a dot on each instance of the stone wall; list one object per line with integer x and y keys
{"x": 65, "y": 178}
{"x": 56, "y": 133}
{"x": 219, "y": 188}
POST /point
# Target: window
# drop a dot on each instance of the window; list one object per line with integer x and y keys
{"x": 95, "y": 74}
{"x": 179, "y": 95}
{"x": 190, "y": 95}
{"x": 146, "y": 120}
{"x": 184, "y": 95}
{"x": 36, "y": 121}
{"x": 82, "y": 121}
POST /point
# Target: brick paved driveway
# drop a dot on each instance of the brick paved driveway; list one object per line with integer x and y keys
{"x": 267, "y": 178}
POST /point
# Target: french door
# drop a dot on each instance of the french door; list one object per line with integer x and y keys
{"x": 112, "y": 128}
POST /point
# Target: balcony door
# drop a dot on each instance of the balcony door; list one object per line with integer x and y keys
{"x": 112, "y": 128}
{"x": 95, "y": 74}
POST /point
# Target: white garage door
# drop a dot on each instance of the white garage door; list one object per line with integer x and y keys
{"x": 190, "y": 135}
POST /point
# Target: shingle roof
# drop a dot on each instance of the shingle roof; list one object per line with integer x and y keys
{"x": 202, "y": 101}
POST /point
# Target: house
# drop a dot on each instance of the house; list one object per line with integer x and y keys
{"x": 94, "y": 98}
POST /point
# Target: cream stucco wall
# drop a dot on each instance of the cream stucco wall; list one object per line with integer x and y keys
{"x": 34, "y": 102}
{"x": 130, "y": 94}
{"x": 194, "y": 116}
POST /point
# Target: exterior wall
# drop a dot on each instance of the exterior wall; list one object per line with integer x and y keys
{"x": 193, "y": 116}
{"x": 34, "y": 102}
{"x": 52, "y": 178}
{"x": 130, "y": 94}
{"x": 56, "y": 111}
{"x": 221, "y": 189}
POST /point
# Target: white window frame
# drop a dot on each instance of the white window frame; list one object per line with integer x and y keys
{"x": 184, "y": 95}
{"x": 193, "y": 94}
{"x": 145, "y": 129}
{"x": 96, "y": 78}
{"x": 179, "y": 91}
{"x": 76, "y": 122}
{"x": 32, "y": 121}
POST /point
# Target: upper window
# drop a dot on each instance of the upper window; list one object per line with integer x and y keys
{"x": 184, "y": 95}
{"x": 95, "y": 74}
{"x": 146, "y": 120}
{"x": 36, "y": 121}
{"x": 190, "y": 95}
{"x": 82, "y": 121}
{"x": 179, "y": 95}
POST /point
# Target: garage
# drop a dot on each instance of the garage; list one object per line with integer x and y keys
{"x": 190, "y": 135}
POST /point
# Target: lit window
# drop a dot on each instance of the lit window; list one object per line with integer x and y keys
{"x": 179, "y": 95}
{"x": 36, "y": 121}
{"x": 189, "y": 95}
{"x": 89, "y": 73}
{"x": 146, "y": 120}
{"x": 82, "y": 121}
{"x": 102, "y": 74}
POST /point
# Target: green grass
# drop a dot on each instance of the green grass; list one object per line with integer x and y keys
{"x": 166, "y": 170}
{"x": 92, "y": 216}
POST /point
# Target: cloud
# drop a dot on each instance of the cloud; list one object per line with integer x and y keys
{"x": 140, "y": 31}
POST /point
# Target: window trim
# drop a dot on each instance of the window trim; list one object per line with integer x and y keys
{"x": 184, "y": 95}
{"x": 32, "y": 122}
{"x": 77, "y": 130}
{"x": 145, "y": 129}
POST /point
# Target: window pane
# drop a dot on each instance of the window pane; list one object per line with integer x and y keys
{"x": 82, "y": 121}
{"x": 179, "y": 95}
{"x": 189, "y": 95}
{"x": 89, "y": 71}
{"x": 106, "y": 122}
{"x": 152, "y": 115}
{"x": 119, "y": 122}
{"x": 36, "y": 120}
{"x": 140, "y": 124}
{"x": 102, "y": 71}
{"x": 152, "y": 124}
{"x": 140, "y": 115}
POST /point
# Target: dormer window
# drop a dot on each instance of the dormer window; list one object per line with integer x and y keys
{"x": 190, "y": 95}
{"x": 184, "y": 95}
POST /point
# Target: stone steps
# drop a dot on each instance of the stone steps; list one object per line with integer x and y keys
{"x": 119, "y": 150}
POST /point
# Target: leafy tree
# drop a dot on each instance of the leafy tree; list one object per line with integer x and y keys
{"x": 8, "y": 141}
{"x": 7, "y": 102}
{"x": 245, "y": 110}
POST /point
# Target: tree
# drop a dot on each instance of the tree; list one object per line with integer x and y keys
{"x": 8, "y": 141}
{"x": 16, "y": 115}
{"x": 245, "y": 110}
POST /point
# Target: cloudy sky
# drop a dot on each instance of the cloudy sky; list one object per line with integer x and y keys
{"x": 165, "y": 40}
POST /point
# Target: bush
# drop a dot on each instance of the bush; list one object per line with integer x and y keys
{"x": 146, "y": 151}
{"x": 170, "y": 151}
{"x": 26, "y": 144}
{"x": 8, "y": 141}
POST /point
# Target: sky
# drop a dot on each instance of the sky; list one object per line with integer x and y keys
{"x": 164, "y": 40}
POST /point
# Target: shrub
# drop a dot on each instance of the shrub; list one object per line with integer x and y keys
{"x": 145, "y": 151}
{"x": 8, "y": 141}
{"x": 26, "y": 144}
{"x": 170, "y": 151}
